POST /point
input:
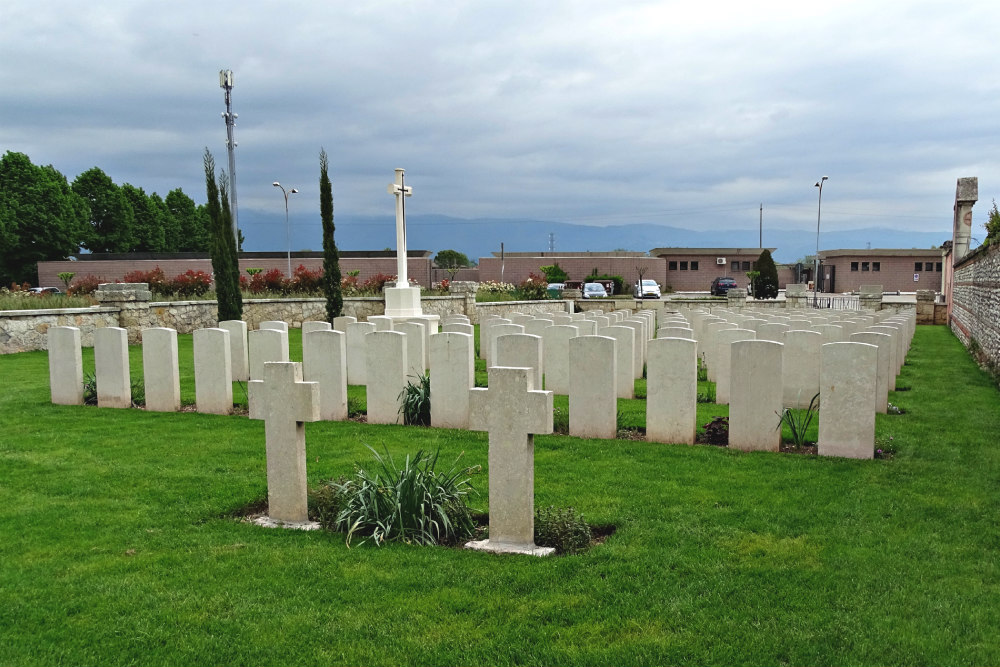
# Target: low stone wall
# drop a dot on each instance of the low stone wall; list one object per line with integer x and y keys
{"x": 25, "y": 330}
{"x": 503, "y": 308}
{"x": 975, "y": 307}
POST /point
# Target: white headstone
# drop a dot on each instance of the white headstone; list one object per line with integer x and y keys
{"x": 755, "y": 400}
{"x": 357, "y": 352}
{"x": 884, "y": 344}
{"x": 453, "y": 360}
{"x": 624, "y": 358}
{"x": 387, "y": 368}
{"x": 672, "y": 391}
{"x": 160, "y": 370}
{"x": 593, "y": 392}
{"x": 65, "y": 365}
{"x": 847, "y": 400}
{"x": 458, "y": 327}
{"x": 324, "y": 361}
{"x": 555, "y": 357}
{"x": 416, "y": 352}
{"x": 266, "y": 345}
{"x": 724, "y": 339}
{"x": 274, "y": 324}
{"x": 114, "y": 387}
{"x": 284, "y": 402}
{"x": 521, "y": 350}
{"x": 238, "y": 350}
{"x": 496, "y": 331}
{"x": 315, "y": 325}
{"x": 340, "y": 323}
{"x": 213, "y": 384}
{"x": 511, "y": 410}
{"x": 381, "y": 322}
{"x": 800, "y": 367}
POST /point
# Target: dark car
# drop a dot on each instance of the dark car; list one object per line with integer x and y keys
{"x": 720, "y": 286}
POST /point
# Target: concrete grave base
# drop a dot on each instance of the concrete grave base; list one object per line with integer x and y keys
{"x": 509, "y": 548}
{"x": 268, "y": 522}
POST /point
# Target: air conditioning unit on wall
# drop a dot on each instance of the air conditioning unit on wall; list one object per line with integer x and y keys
{"x": 721, "y": 261}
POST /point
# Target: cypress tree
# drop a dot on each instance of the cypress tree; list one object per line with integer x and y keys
{"x": 331, "y": 258}
{"x": 765, "y": 284}
{"x": 225, "y": 261}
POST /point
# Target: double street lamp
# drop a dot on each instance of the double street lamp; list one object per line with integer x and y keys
{"x": 288, "y": 233}
{"x": 819, "y": 210}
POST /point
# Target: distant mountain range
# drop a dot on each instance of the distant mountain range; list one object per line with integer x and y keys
{"x": 480, "y": 237}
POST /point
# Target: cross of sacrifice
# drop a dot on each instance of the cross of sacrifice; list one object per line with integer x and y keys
{"x": 284, "y": 402}
{"x": 400, "y": 191}
{"x": 511, "y": 411}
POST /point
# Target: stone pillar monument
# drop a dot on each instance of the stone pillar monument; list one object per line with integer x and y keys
{"x": 402, "y": 300}
{"x": 966, "y": 195}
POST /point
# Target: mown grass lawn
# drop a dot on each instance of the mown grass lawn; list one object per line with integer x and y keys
{"x": 115, "y": 547}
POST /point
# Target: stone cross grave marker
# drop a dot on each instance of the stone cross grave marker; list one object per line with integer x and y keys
{"x": 285, "y": 402}
{"x": 511, "y": 410}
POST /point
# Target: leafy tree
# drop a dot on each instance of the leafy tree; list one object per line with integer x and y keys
{"x": 765, "y": 284}
{"x": 225, "y": 261}
{"x": 41, "y": 218}
{"x": 331, "y": 258}
{"x": 993, "y": 225}
{"x": 148, "y": 232}
{"x": 171, "y": 226}
{"x": 451, "y": 259}
{"x": 111, "y": 217}
{"x": 190, "y": 222}
{"x": 554, "y": 273}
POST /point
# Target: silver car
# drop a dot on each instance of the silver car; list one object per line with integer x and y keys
{"x": 594, "y": 290}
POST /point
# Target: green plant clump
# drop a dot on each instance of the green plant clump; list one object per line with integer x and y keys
{"x": 798, "y": 421}
{"x": 564, "y": 529}
{"x": 412, "y": 504}
{"x": 415, "y": 401}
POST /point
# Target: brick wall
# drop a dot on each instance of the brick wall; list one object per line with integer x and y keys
{"x": 975, "y": 301}
{"x": 418, "y": 268}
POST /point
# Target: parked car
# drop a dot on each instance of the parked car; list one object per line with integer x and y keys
{"x": 720, "y": 286}
{"x": 45, "y": 290}
{"x": 594, "y": 291}
{"x": 554, "y": 289}
{"x": 646, "y": 289}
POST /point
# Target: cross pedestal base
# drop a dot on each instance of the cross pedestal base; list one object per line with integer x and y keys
{"x": 509, "y": 548}
{"x": 402, "y": 302}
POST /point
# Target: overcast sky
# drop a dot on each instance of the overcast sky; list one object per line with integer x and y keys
{"x": 687, "y": 114}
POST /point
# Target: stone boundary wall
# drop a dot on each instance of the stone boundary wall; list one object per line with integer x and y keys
{"x": 26, "y": 330}
{"x": 975, "y": 301}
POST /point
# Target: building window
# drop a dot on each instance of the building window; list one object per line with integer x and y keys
{"x": 854, "y": 266}
{"x": 746, "y": 266}
{"x": 694, "y": 266}
{"x": 864, "y": 266}
{"x": 918, "y": 266}
{"x": 736, "y": 267}
{"x": 928, "y": 267}
{"x": 684, "y": 266}
{"x": 876, "y": 266}
{"x": 672, "y": 266}
{"x": 937, "y": 267}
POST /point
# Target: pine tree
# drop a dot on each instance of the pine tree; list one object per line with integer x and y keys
{"x": 225, "y": 261}
{"x": 331, "y": 258}
{"x": 765, "y": 284}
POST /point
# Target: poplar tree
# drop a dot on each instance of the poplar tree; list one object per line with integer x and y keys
{"x": 331, "y": 258}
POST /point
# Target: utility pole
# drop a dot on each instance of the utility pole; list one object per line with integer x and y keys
{"x": 552, "y": 242}
{"x": 761, "y": 226}
{"x": 226, "y": 83}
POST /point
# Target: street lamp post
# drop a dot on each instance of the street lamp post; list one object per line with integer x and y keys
{"x": 819, "y": 210}
{"x": 288, "y": 232}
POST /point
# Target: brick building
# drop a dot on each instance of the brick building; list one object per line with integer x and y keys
{"x": 515, "y": 267}
{"x": 694, "y": 269}
{"x": 904, "y": 270}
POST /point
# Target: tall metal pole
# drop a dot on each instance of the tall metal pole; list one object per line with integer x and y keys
{"x": 288, "y": 229}
{"x": 819, "y": 211}
{"x": 226, "y": 83}
{"x": 761, "y": 241}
